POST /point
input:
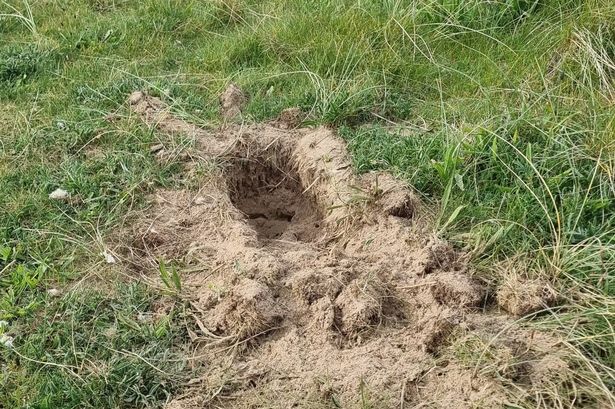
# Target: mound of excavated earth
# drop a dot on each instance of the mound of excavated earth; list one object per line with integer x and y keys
{"x": 315, "y": 287}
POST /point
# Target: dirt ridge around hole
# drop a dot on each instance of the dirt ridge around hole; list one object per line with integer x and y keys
{"x": 312, "y": 286}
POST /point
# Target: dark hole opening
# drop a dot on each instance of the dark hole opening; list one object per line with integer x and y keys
{"x": 270, "y": 194}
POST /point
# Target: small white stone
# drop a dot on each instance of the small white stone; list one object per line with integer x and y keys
{"x": 144, "y": 317}
{"x": 156, "y": 148}
{"x": 107, "y": 35}
{"x": 108, "y": 257}
{"x": 54, "y": 292}
{"x": 6, "y": 341}
{"x": 61, "y": 125}
{"x": 59, "y": 194}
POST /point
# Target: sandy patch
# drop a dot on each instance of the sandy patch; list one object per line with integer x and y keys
{"x": 315, "y": 287}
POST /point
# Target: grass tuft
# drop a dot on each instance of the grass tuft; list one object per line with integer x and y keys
{"x": 19, "y": 64}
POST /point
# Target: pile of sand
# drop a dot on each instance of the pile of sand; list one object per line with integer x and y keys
{"x": 314, "y": 287}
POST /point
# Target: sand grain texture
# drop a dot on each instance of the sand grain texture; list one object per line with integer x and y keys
{"x": 314, "y": 286}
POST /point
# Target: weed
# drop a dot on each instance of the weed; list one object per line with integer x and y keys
{"x": 18, "y": 65}
{"x": 170, "y": 277}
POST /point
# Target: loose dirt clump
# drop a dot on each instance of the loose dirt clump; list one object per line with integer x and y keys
{"x": 246, "y": 311}
{"x": 457, "y": 290}
{"x": 290, "y": 118}
{"x": 359, "y": 307}
{"x": 232, "y": 102}
{"x": 311, "y": 286}
{"x": 521, "y": 297}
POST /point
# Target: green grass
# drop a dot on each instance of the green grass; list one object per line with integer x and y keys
{"x": 499, "y": 113}
{"x": 98, "y": 350}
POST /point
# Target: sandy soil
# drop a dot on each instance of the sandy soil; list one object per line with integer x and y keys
{"x": 312, "y": 286}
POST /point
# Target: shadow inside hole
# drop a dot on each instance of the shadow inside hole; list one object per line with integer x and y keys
{"x": 270, "y": 194}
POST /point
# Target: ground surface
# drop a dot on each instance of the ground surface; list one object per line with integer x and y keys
{"x": 315, "y": 286}
{"x": 497, "y": 115}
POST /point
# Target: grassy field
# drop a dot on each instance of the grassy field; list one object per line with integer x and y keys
{"x": 501, "y": 114}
